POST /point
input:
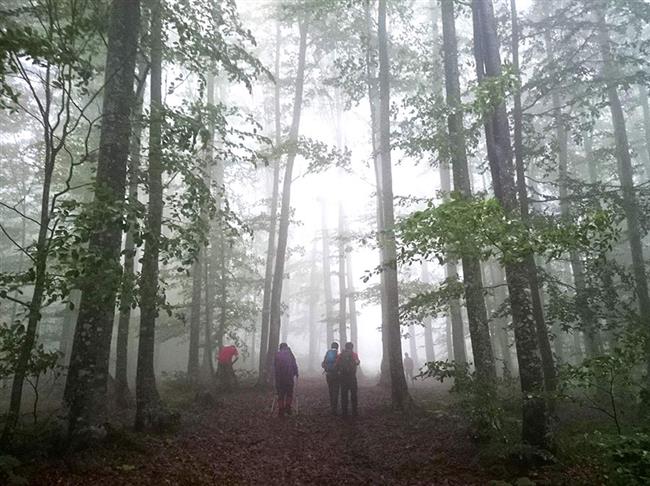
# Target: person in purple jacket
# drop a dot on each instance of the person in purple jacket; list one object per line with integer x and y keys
{"x": 285, "y": 370}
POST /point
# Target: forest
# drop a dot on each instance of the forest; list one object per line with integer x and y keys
{"x": 225, "y": 224}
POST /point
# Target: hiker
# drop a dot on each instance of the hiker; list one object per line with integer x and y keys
{"x": 328, "y": 365}
{"x": 227, "y": 357}
{"x": 285, "y": 369}
{"x": 346, "y": 367}
{"x": 408, "y": 367}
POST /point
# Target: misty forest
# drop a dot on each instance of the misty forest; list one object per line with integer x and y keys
{"x": 312, "y": 241}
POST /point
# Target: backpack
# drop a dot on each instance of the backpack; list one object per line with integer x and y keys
{"x": 347, "y": 364}
{"x": 330, "y": 360}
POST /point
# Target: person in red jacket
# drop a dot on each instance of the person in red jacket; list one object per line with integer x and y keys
{"x": 227, "y": 357}
{"x": 346, "y": 366}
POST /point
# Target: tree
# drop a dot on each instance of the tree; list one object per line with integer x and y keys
{"x": 88, "y": 373}
{"x": 472, "y": 279}
{"x": 278, "y": 274}
{"x": 497, "y": 134}
{"x": 147, "y": 398}
{"x": 127, "y": 298}
{"x": 399, "y": 388}
{"x": 343, "y": 334}
{"x": 273, "y": 210}
{"x": 625, "y": 172}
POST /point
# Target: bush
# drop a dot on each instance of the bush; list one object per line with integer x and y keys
{"x": 628, "y": 456}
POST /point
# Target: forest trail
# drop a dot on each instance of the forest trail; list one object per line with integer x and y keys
{"x": 239, "y": 442}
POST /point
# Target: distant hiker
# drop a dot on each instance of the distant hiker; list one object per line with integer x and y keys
{"x": 346, "y": 367}
{"x": 408, "y": 367}
{"x": 286, "y": 369}
{"x": 227, "y": 357}
{"x": 329, "y": 366}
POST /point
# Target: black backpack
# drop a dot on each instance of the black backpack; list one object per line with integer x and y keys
{"x": 347, "y": 365}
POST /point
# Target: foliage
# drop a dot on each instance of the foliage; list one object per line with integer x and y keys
{"x": 607, "y": 383}
{"x": 481, "y": 228}
{"x": 11, "y": 340}
{"x": 484, "y": 403}
{"x": 627, "y": 456}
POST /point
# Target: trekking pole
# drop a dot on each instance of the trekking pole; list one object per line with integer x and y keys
{"x": 295, "y": 394}
{"x": 273, "y": 404}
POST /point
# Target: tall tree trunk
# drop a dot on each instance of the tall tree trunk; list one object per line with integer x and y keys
{"x": 486, "y": 46}
{"x": 429, "y": 349}
{"x": 313, "y": 309}
{"x": 472, "y": 279}
{"x": 283, "y": 232}
{"x": 88, "y": 373}
{"x": 210, "y": 256}
{"x": 39, "y": 266}
{"x": 343, "y": 333}
{"x": 548, "y": 364}
{"x": 147, "y": 398}
{"x": 399, "y": 389}
{"x": 123, "y": 395}
{"x": 643, "y": 99}
{"x": 354, "y": 329}
{"x": 373, "y": 99}
{"x": 273, "y": 210}
{"x": 327, "y": 278}
{"x": 497, "y": 280}
{"x": 625, "y": 174}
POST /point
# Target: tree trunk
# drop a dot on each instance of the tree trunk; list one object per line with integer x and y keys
{"x": 399, "y": 389}
{"x": 429, "y": 349}
{"x": 210, "y": 258}
{"x": 40, "y": 268}
{"x": 283, "y": 233}
{"x": 195, "y": 319}
{"x": 313, "y": 308}
{"x": 548, "y": 364}
{"x": 147, "y": 398}
{"x": 373, "y": 98}
{"x": 354, "y": 329}
{"x": 643, "y": 99}
{"x": 486, "y": 45}
{"x": 472, "y": 279}
{"x": 122, "y": 393}
{"x": 327, "y": 279}
{"x": 273, "y": 210}
{"x": 625, "y": 175}
{"x": 88, "y": 373}
{"x": 343, "y": 333}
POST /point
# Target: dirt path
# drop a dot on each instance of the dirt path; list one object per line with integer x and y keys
{"x": 239, "y": 442}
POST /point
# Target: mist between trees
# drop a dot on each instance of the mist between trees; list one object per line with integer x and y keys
{"x": 466, "y": 182}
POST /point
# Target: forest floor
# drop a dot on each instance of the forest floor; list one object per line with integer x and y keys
{"x": 238, "y": 441}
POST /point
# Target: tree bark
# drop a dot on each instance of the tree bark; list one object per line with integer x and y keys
{"x": 273, "y": 210}
{"x": 88, "y": 372}
{"x": 354, "y": 329}
{"x": 428, "y": 331}
{"x": 486, "y": 46}
{"x": 313, "y": 308}
{"x": 147, "y": 398}
{"x": 373, "y": 99}
{"x": 343, "y": 333}
{"x": 40, "y": 269}
{"x": 122, "y": 393}
{"x": 327, "y": 279}
{"x": 472, "y": 279}
{"x": 283, "y": 233}
{"x": 548, "y": 364}
{"x": 645, "y": 107}
{"x": 399, "y": 390}
{"x": 625, "y": 175}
